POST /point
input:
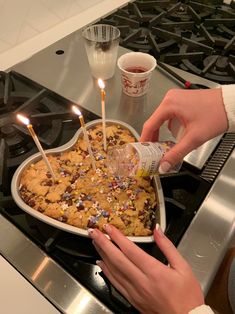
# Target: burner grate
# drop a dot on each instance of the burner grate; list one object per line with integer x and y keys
{"x": 196, "y": 37}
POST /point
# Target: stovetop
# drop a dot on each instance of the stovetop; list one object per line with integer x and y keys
{"x": 50, "y": 114}
{"x": 196, "y": 37}
{"x": 187, "y": 194}
{"x": 51, "y": 117}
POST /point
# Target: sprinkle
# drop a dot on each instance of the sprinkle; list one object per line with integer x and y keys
{"x": 109, "y": 199}
{"x": 64, "y": 206}
{"x": 104, "y": 213}
{"x": 95, "y": 205}
{"x": 133, "y": 197}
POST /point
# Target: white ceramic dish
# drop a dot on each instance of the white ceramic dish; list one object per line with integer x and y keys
{"x": 160, "y": 211}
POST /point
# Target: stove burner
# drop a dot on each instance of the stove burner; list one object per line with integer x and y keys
{"x": 68, "y": 243}
{"x": 196, "y": 37}
{"x": 16, "y": 136}
{"x": 46, "y": 115}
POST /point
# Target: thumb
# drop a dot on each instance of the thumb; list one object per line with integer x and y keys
{"x": 175, "y": 260}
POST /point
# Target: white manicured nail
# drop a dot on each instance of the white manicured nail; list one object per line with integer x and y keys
{"x": 165, "y": 166}
{"x": 159, "y": 230}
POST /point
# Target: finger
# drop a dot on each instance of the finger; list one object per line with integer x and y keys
{"x": 175, "y": 260}
{"x": 114, "y": 279}
{"x": 130, "y": 290}
{"x": 153, "y": 124}
{"x": 137, "y": 256}
{"x": 113, "y": 257}
{"x": 149, "y": 135}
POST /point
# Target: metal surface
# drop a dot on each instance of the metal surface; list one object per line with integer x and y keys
{"x": 47, "y": 276}
{"x": 68, "y": 75}
{"x": 23, "y": 291}
{"x": 199, "y": 156}
{"x": 207, "y": 237}
{"x": 206, "y": 240}
{"x": 15, "y": 183}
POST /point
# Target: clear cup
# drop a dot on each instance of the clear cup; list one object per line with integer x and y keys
{"x": 136, "y": 70}
{"x": 101, "y": 43}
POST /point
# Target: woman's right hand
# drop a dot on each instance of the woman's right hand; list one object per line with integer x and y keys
{"x": 201, "y": 114}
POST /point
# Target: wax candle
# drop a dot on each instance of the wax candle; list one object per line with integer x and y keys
{"x": 38, "y": 144}
{"x": 86, "y": 137}
{"x": 102, "y": 93}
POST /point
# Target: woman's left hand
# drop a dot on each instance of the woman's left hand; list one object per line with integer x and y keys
{"x": 149, "y": 285}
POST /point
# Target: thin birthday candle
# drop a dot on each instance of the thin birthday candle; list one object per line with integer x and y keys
{"x": 36, "y": 141}
{"x": 102, "y": 93}
{"x": 83, "y": 126}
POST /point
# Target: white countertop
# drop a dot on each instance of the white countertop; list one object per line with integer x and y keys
{"x": 28, "y": 48}
{"x": 18, "y": 295}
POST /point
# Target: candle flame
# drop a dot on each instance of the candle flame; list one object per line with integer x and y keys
{"x": 23, "y": 119}
{"x": 76, "y": 110}
{"x": 101, "y": 83}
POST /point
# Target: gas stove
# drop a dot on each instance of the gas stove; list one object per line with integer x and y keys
{"x": 193, "y": 36}
{"x": 199, "y": 200}
{"x": 53, "y": 121}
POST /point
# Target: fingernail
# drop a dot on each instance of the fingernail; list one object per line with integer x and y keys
{"x": 159, "y": 230}
{"x": 92, "y": 233}
{"x": 107, "y": 228}
{"x": 165, "y": 166}
{"x": 98, "y": 262}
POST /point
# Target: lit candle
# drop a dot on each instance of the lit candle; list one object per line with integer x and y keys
{"x": 36, "y": 141}
{"x": 102, "y": 93}
{"x": 83, "y": 126}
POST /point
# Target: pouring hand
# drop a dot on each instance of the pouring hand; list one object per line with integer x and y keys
{"x": 149, "y": 285}
{"x": 201, "y": 114}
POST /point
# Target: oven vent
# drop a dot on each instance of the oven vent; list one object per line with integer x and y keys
{"x": 218, "y": 159}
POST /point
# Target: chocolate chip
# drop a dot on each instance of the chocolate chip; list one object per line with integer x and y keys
{"x": 69, "y": 202}
{"x": 122, "y": 143}
{"x": 41, "y": 210}
{"x": 75, "y": 177}
{"x": 31, "y": 203}
{"x": 68, "y": 189}
{"x": 90, "y": 224}
{"x": 80, "y": 207}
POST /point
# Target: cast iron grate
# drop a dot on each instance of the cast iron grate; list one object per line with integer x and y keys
{"x": 193, "y": 36}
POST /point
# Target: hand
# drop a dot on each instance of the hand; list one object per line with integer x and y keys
{"x": 149, "y": 285}
{"x": 200, "y": 112}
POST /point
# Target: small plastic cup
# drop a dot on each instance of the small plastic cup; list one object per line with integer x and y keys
{"x": 136, "y": 70}
{"x": 101, "y": 43}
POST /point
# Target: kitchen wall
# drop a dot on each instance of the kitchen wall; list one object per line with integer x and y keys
{"x": 26, "y": 26}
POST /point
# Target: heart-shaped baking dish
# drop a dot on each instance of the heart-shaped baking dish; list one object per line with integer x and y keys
{"x": 160, "y": 216}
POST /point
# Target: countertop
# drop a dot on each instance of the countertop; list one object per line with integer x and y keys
{"x": 24, "y": 50}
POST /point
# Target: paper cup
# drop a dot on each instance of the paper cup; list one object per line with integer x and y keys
{"x": 136, "y": 70}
